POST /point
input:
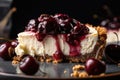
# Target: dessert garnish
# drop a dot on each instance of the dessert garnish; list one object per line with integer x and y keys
{"x": 7, "y": 50}
{"x": 29, "y": 65}
{"x": 93, "y": 66}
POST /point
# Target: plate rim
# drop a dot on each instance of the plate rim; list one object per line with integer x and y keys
{"x": 40, "y": 77}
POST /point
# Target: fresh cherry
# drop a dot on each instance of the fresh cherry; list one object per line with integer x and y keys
{"x": 80, "y": 29}
{"x": 47, "y": 24}
{"x": 112, "y": 52}
{"x": 29, "y": 65}
{"x": 6, "y": 51}
{"x": 94, "y": 66}
{"x": 64, "y": 21}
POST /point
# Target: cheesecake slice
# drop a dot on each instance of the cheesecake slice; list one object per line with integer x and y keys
{"x": 60, "y": 38}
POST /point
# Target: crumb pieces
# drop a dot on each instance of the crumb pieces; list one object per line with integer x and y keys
{"x": 65, "y": 71}
{"x": 48, "y": 60}
{"x": 57, "y": 61}
{"x": 83, "y": 74}
{"x": 76, "y": 71}
{"x": 102, "y": 74}
{"x": 17, "y": 58}
{"x": 15, "y": 62}
{"x": 79, "y": 72}
{"x": 75, "y": 74}
{"x": 78, "y": 67}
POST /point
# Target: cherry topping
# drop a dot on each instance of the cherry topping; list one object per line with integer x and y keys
{"x": 80, "y": 29}
{"x": 94, "y": 66}
{"x": 58, "y": 56}
{"x": 57, "y": 24}
{"x": 32, "y": 25}
{"x": 6, "y": 51}
{"x": 64, "y": 22}
{"x": 40, "y": 36}
{"x": 47, "y": 24}
{"x": 29, "y": 65}
{"x": 61, "y": 16}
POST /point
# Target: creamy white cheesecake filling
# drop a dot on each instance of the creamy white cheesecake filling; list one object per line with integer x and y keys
{"x": 88, "y": 44}
{"x": 49, "y": 45}
{"x": 112, "y": 38}
{"x": 28, "y": 44}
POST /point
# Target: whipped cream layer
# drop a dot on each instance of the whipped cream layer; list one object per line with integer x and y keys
{"x": 29, "y": 44}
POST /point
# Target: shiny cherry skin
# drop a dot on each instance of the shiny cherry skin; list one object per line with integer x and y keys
{"x": 94, "y": 66}
{"x": 47, "y": 24}
{"x": 64, "y": 21}
{"x": 14, "y": 43}
{"x": 6, "y": 51}
{"x": 112, "y": 53}
{"x": 29, "y": 65}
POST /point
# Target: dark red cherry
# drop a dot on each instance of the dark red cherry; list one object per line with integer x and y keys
{"x": 6, "y": 51}
{"x": 65, "y": 23}
{"x": 32, "y": 25}
{"x": 95, "y": 67}
{"x": 112, "y": 53}
{"x": 72, "y": 39}
{"x": 47, "y": 24}
{"x": 29, "y": 65}
{"x": 80, "y": 29}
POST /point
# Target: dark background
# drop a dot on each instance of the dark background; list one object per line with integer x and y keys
{"x": 82, "y": 10}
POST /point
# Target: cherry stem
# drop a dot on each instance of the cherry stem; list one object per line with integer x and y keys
{"x": 117, "y": 37}
{"x": 98, "y": 51}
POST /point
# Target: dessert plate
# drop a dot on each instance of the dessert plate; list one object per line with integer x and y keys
{"x": 50, "y": 71}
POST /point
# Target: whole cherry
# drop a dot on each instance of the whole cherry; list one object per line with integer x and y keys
{"x": 112, "y": 52}
{"x": 6, "y": 51}
{"x": 93, "y": 66}
{"x": 29, "y": 65}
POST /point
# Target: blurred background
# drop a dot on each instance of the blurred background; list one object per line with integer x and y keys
{"x": 86, "y": 11}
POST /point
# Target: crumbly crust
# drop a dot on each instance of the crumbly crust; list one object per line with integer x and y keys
{"x": 100, "y": 43}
